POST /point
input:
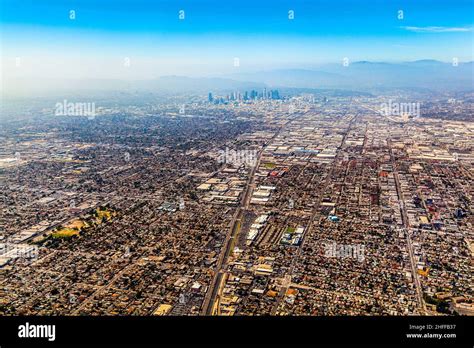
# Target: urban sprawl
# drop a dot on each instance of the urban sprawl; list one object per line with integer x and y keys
{"x": 240, "y": 203}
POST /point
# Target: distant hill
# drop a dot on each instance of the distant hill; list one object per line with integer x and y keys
{"x": 297, "y": 78}
{"x": 189, "y": 84}
{"x": 165, "y": 84}
{"x": 359, "y": 76}
{"x": 429, "y": 74}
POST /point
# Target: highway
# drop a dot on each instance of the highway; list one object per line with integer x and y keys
{"x": 406, "y": 225}
{"x": 212, "y": 293}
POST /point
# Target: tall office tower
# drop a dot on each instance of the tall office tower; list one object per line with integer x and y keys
{"x": 210, "y": 98}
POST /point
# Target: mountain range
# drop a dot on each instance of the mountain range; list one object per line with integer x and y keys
{"x": 358, "y": 76}
{"x": 430, "y": 74}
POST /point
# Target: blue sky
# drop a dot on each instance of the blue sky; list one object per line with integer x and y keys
{"x": 258, "y": 32}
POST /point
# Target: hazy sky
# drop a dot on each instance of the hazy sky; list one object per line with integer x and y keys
{"x": 39, "y": 39}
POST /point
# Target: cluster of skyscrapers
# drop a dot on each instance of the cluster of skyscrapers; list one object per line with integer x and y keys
{"x": 239, "y": 96}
